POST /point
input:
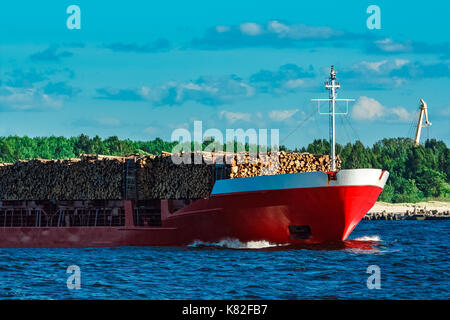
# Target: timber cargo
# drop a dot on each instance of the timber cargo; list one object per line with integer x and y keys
{"x": 99, "y": 177}
{"x": 160, "y": 178}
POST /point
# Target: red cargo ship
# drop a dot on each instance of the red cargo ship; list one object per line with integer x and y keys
{"x": 297, "y": 208}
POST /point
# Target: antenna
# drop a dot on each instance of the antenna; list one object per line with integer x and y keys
{"x": 332, "y": 86}
{"x": 423, "y": 111}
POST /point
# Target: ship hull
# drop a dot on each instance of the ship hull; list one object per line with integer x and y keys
{"x": 309, "y": 215}
{"x": 296, "y": 208}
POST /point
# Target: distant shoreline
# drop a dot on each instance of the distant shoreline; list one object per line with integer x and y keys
{"x": 430, "y": 210}
{"x": 403, "y": 207}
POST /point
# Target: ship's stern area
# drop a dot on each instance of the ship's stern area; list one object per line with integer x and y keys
{"x": 310, "y": 207}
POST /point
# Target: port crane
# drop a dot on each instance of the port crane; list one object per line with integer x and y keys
{"x": 423, "y": 111}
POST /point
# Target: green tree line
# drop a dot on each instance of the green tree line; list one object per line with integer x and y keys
{"x": 416, "y": 173}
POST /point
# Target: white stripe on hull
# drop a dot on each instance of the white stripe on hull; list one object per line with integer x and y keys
{"x": 348, "y": 177}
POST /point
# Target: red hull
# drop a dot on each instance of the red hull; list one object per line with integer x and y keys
{"x": 330, "y": 213}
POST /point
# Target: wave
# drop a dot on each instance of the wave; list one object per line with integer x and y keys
{"x": 236, "y": 244}
{"x": 365, "y": 245}
{"x": 368, "y": 238}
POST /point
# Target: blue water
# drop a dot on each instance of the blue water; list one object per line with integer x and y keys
{"x": 412, "y": 257}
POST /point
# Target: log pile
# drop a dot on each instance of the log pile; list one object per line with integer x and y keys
{"x": 159, "y": 178}
{"x": 291, "y": 162}
{"x": 74, "y": 179}
{"x": 92, "y": 177}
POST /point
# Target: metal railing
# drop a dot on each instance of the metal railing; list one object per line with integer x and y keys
{"x": 84, "y": 217}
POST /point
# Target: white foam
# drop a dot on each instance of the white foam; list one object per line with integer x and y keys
{"x": 363, "y": 251}
{"x": 369, "y": 238}
{"x": 236, "y": 244}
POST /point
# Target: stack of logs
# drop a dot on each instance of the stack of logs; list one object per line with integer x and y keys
{"x": 157, "y": 177}
{"x": 288, "y": 162}
{"x": 72, "y": 179}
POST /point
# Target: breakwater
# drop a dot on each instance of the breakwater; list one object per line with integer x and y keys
{"x": 415, "y": 214}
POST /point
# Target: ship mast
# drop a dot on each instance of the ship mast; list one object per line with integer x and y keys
{"x": 332, "y": 85}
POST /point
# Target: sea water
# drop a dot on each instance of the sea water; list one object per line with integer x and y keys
{"x": 410, "y": 259}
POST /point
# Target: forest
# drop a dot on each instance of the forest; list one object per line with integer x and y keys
{"x": 416, "y": 173}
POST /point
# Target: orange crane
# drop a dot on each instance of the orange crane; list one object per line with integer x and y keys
{"x": 423, "y": 110}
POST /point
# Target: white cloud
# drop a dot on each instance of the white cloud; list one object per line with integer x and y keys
{"x": 370, "y": 109}
{"x": 294, "y": 83}
{"x": 232, "y": 117}
{"x": 374, "y": 65}
{"x": 402, "y": 114}
{"x": 387, "y": 45}
{"x": 222, "y": 29}
{"x": 145, "y": 91}
{"x": 205, "y": 90}
{"x": 302, "y": 31}
{"x": 367, "y": 109}
{"x": 22, "y": 99}
{"x": 401, "y": 62}
{"x": 382, "y": 67}
{"x": 250, "y": 91}
{"x": 250, "y": 28}
{"x": 281, "y": 115}
{"x": 277, "y": 27}
{"x": 193, "y": 86}
{"x": 381, "y": 74}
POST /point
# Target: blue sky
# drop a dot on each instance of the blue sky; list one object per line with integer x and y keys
{"x": 140, "y": 70}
